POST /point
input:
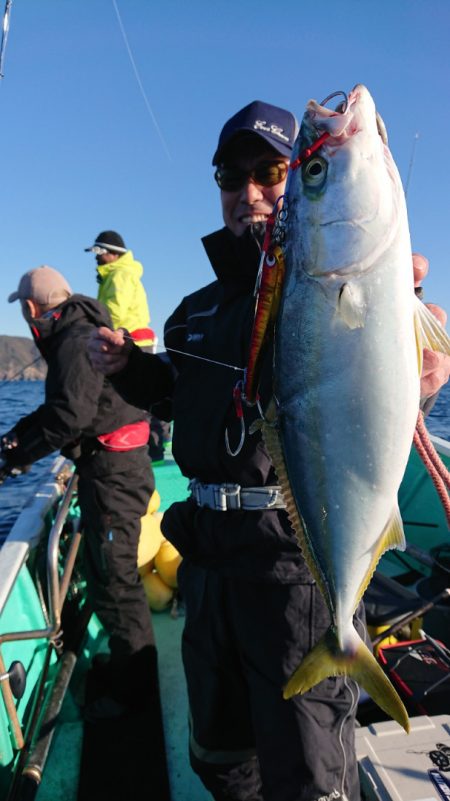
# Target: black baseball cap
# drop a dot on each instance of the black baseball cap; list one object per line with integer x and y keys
{"x": 275, "y": 125}
{"x": 110, "y": 241}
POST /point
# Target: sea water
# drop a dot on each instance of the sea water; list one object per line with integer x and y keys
{"x": 19, "y": 398}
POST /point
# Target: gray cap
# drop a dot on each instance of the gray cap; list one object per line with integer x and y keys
{"x": 44, "y": 285}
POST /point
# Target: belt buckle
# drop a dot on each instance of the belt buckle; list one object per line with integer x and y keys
{"x": 274, "y": 498}
{"x": 230, "y": 496}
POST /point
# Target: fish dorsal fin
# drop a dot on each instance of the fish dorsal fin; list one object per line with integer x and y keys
{"x": 429, "y": 331}
{"x": 351, "y": 308}
{"x": 273, "y": 444}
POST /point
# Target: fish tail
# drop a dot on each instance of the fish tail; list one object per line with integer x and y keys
{"x": 327, "y": 659}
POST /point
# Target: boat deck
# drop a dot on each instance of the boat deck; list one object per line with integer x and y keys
{"x": 62, "y": 774}
{"x": 61, "y": 779}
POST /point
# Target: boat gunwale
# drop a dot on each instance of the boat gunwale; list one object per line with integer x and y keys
{"x": 27, "y": 529}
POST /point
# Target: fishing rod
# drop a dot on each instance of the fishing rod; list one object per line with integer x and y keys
{"x": 193, "y": 356}
{"x": 411, "y": 163}
{"x": 5, "y": 32}
{"x": 139, "y": 81}
{"x": 22, "y": 370}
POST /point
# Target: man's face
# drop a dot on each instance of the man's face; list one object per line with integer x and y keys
{"x": 253, "y": 202}
{"x": 31, "y": 310}
{"x": 106, "y": 258}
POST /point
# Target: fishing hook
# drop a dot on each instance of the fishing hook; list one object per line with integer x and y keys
{"x": 337, "y": 94}
{"x": 241, "y": 441}
{"x": 237, "y": 398}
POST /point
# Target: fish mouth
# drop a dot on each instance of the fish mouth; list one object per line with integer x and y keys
{"x": 352, "y": 223}
{"x": 341, "y": 122}
{"x": 364, "y": 263}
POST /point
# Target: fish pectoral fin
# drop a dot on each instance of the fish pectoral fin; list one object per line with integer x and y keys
{"x": 326, "y": 660}
{"x": 429, "y": 332}
{"x": 351, "y": 308}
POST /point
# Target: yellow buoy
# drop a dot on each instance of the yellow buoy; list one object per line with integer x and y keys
{"x": 149, "y": 541}
{"x": 159, "y": 595}
{"x": 154, "y": 502}
{"x": 167, "y": 561}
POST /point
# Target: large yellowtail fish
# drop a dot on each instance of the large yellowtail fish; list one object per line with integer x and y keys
{"x": 348, "y": 351}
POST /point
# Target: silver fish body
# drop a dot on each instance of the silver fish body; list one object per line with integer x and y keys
{"x": 346, "y": 375}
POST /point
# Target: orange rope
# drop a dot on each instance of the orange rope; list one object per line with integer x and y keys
{"x": 433, "y": 463}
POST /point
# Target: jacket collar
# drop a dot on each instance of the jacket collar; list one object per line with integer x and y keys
{"x": 127, "y": 261}
{"x": 75, "y": 308}
{"x": 234, "y": 259}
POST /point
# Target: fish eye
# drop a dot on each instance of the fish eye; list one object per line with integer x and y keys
{"x": 314, "y": 171}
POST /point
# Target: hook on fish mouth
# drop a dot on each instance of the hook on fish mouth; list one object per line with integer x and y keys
{"x": 342, "y": 107}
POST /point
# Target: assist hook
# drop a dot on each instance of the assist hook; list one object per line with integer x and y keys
{"x": 342, "y": 107}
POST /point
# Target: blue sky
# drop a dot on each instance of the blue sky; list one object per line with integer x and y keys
{"x": 80, "y": 151}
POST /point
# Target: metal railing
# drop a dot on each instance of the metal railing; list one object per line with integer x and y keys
{"x": 57, "y": 591}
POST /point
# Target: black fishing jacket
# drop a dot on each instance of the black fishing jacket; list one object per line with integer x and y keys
{"x": 215, "y": 324}
{"x": 80, "y": 403}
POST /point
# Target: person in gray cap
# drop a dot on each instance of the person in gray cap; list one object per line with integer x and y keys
{"x": 84, "y": 417}
{"x": 44, "y": 287}
{"x": 252, "y": 607}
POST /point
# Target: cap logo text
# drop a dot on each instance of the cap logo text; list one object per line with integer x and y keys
{"x": 262, "y": 125}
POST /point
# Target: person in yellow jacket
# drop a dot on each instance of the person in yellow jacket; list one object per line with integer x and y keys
{"x": 120, "y": 287}
{"x": 121, "y": 291}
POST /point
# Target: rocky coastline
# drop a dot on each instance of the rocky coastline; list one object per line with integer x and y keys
{"x": 20, "y": 360}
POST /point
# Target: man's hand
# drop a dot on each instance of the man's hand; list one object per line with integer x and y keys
{"x": 8, "y": 444}
{"x": 420, "y": 268}
{"x": 436, "y": 366}
{"x": 435, "y": 372}
{"x": 108, "y": 350}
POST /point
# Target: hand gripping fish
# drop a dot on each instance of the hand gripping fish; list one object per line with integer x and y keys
{"x": 349, "y": 336}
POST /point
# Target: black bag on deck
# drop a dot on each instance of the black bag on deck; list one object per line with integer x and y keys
{"x": 420, "y": 671}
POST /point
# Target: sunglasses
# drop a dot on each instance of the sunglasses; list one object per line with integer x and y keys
{"x": 98, "y": 251}
{"x": 269, "y": 173}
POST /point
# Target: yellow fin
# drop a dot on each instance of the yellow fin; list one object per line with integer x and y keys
{"x": 273, "y": 444}
{"x": 419, "y": 342}
{"x": 432, "y": 334}
{"x": 326, "y": 659}
{"x": 393, "y": 536}
{"x": 256, "y": 426}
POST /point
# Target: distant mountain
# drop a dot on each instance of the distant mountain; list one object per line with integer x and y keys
{"x": 20, "y": 360}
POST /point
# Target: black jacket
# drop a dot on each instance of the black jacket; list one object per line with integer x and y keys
{"x": 80, "y": 403}
{"x": 215, "y": 323}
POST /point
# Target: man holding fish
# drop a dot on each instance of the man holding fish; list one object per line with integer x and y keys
{"x": 256, "y": 605}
